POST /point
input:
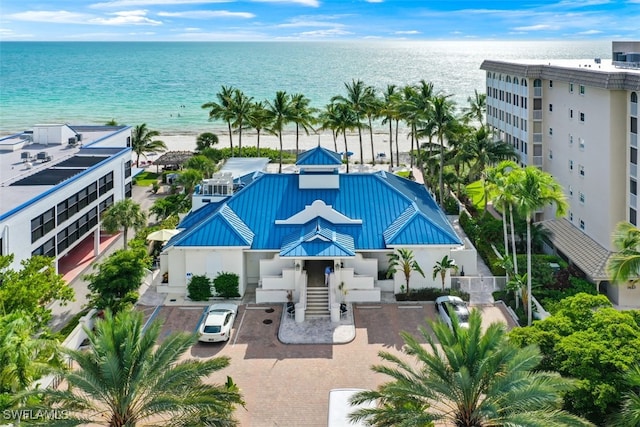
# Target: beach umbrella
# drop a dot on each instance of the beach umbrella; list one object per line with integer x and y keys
{"x": 162, "y": 235}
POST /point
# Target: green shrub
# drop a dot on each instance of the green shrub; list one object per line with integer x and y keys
{"x": 430, "y": 294}
{"x": 451, "y": 206}
{"x": 226, "y": 285}
{"x": 199, "y": 288}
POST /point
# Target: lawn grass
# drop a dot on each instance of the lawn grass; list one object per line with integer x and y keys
{"x": 145, "y": 179}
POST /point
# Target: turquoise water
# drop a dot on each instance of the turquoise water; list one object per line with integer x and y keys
{"x": 165, "y": 84}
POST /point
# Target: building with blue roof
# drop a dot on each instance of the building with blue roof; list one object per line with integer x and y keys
{"x": 281, "y": 231}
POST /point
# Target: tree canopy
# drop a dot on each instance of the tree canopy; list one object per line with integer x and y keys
{"x": 591, "y": 341}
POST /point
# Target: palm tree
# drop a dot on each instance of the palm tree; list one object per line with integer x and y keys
{"x": 346, "y": 120}
{"x": 203, "y": 164}
{"x": 280, "y": 113}
{"x": 357, "y": 95}
{"x": 372, "y": 107}
{"x": 487, "y": 152}
{"x": 302, "y": 115}
{"x": 206, "y": 140}
{"x": 630, "y": 413}
{"x": 259, "y": 119}
{"x": 123, "y": 215}
{"x": 443, "y": 119}
{"x": 25, "y": 355}
{"x": 443, "y": 266}
{"x": 624, "y": 265}
{"x": 533, "y": 190}
{"x": 329, "y": 120}
{"x": 142, "y": 141}
{"x": 129, "y": 377}
{"x": 189, "y": 179}
{"x": 389, "y": 110}
{"x": 403, "y": 259}
{"x": 223, "y": 109}
{"x": 477, "y": 107}
{"x": 241, "y": 107}
{"x": 466, "y": 378}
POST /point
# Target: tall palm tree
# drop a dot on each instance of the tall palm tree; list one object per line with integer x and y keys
{"x": 128, "y": 377}
{"x": 356, "y": 98}
{"x": 302, "y": 116}
{"x": 624, "y": 265}
{"x": 466, "y": 378}
{"x": 142, "y": 141}
{"x": 123, "y": 215}
{"x": 443, "y": 119}
{"x": 477, "y": 107}
{"x": 371, "y": 110}
{"x": 487, "y": 152}
{"x": 241, "y": 108}
{"x": 389, "y": 110}
{"x": 403, "y": 260}
{"x": 444, "y": 266}
{"x": 346, "y": 120}
{"x": 259, "y": 119}
{"x": 533, "y": 190}
{"x": 223, "y": 109}
{"x": 329, "y": 120}
{"x": 280, "y": 113}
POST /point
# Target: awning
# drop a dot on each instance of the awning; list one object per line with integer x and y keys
{"x": 581, "y": 249}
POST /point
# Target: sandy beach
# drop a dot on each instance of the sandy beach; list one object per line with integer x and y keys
{"x": 187, "y": 142}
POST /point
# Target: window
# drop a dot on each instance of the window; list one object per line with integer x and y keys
{"x": 570, "y": 139}
{"x": 570, "y": 191}
{"x": 550, "y": 154}
{"x": 634, "y": 98}
{"x": 581, "y": 89}
{"x": 633, "y": 187}
{"x": 634, "y": 125}
{"x": 581, "y": 197}
{"x": 106, "y": 183}
{"x": 570, "y": 165}
{"x": 581, "y": 168}
{"x": 550, "y": 107}
{"x": 550, "y": 131}
{"x": 634, "y": 155}
{"x": 550, "y": 83}
{"x": 581, "y": 143}
{"x": 537, "y": 104}
{"x": 571, "y": 216}
{"x": 581, "y": 224}
{"x": 47, "y": 249}
{"x": 633, "y": 216}
{"x": 570, "y": 113}
{"x": 42, "y": 224}
{"x": 127, "y": 169}
{"x": 582, "y": 117}
{"x": 570, "y": 87}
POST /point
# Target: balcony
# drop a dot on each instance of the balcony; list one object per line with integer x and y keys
{"x": 537, "y": 91}
{"x": 633, "y": 170}
{"x": 537, "y": 137}
{"x": 537, "y": 114}
{"x": 634, "y": 139}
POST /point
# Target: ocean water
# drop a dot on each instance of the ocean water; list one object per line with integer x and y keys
{"x": 164, "y": 84}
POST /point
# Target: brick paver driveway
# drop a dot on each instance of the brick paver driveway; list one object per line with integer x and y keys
{"x": 288, "y": 385}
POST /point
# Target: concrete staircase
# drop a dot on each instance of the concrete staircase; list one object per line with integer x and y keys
{"x": 317, "y": 302}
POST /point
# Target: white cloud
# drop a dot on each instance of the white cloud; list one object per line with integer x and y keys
{"x": 206, "y": 14}
{"x": 407, "y": 32}
{"x": 324, "y": 33}
{"x": 538, "y": 27}
{"x": 51, "y": 16}
{"x": 132, "y": 3}
{"x": 131, "y": 17}
{"x": 311, "y": 23}
{"x": 312, "y": 3}
{"x": 590, "y": 32}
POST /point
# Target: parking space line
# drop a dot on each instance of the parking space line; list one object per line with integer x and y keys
{"x": 235, "y": 336}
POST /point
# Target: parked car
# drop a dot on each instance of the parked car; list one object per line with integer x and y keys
{"x": 448, "y": 304}
{"x": 217, "y": 323}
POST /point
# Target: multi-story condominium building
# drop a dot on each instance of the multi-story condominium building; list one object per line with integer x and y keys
{"x": 55, "y": 182}
{"x": 577, "y": 120}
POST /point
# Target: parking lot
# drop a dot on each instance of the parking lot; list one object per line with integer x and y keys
{"x": 289, "y": 384}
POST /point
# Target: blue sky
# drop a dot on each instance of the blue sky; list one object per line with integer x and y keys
{"x": 255, "y": 20}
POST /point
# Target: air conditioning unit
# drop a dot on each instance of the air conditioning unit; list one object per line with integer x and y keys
{"x": 73, "y": 140}
{"x": 79, "y": 137}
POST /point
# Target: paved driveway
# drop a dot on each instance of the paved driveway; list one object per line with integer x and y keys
{"x": 288, "y": 385}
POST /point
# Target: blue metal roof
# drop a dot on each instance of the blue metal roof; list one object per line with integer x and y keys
{"x": 393, "y": 211}
{"x": 319, "y": 156}
{"x": 196, "y": 216}
{"x": 318, "y": 238}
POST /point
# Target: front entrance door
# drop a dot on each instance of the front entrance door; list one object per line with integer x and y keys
{"x": 315, "y": 271}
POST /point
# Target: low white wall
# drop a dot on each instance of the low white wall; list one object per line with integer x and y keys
{"x": 363, "y": 295}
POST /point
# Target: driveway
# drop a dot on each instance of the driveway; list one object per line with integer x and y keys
{"x": 288, "y": 385}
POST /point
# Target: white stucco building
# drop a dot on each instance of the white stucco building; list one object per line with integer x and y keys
{"x": 577, "y": 120}
{"x": 55, "y": 182}
{"x": 281, "y": 231}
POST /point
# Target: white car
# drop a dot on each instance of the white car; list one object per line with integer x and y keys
{"x": 217, "y": 323}
{"x": 447, "y": 304}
